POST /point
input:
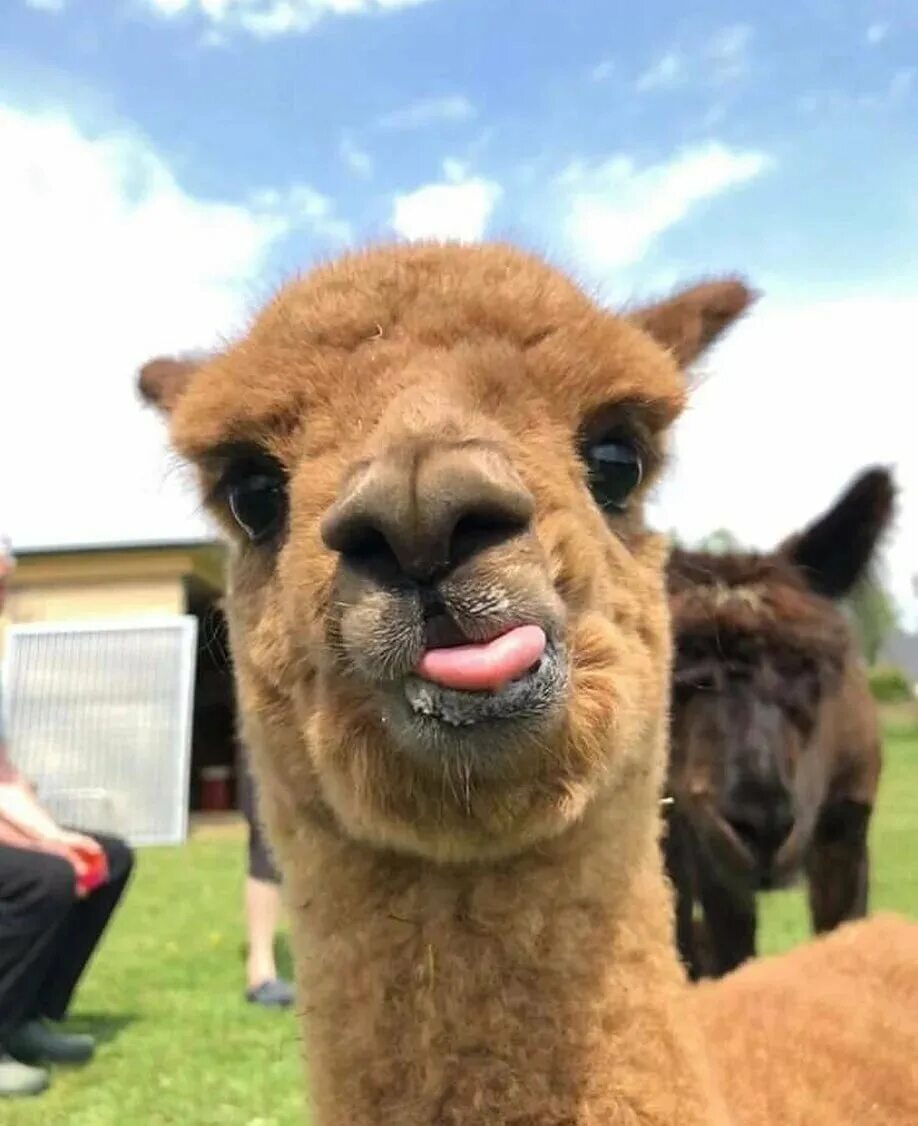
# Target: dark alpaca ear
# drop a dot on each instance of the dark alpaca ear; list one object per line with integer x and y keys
{"x": 162, "y": 380}
{"x": 835, "y": 551}
{"x": 689, "y": 322}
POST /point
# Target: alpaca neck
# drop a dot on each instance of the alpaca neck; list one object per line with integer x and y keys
{"x": 542, "y": 990}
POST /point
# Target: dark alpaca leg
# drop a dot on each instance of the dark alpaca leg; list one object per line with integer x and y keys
{"x": 837, "y": 866}
{"x": 730, "y": 918}
{"x": 677, "y": 854}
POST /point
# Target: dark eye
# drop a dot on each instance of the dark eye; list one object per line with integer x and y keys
{"x": 615, "y": 470}
{"x": 257, "y": 498}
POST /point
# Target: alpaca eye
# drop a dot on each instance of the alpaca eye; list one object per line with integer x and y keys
{"x": 615, "y": 470}
{"x": 258, "y": 502}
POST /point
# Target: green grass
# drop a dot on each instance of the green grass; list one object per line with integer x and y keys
{"x": 893, "y": 839}
{"x": 180, "y": 1046}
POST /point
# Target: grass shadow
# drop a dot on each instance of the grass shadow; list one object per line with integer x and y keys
{"x": 103, "y": 1027}
{"x": 284, "y": 957}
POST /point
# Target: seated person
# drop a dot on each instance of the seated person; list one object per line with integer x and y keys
{"x": 58, "y": 890}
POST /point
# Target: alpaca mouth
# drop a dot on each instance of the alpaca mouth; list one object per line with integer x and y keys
{"x": 531, "y": 693}
{"x": 737, "y": 861}
{"x": 519, "y": 674}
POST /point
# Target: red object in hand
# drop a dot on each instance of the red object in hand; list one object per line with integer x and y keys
{"x": 91, "y": 869}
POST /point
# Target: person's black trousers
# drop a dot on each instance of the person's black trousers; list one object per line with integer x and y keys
{"x": 47, "y": 934}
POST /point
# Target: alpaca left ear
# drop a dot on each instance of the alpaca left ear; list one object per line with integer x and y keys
{"x": 689, "y": 322}
{"x": 162, "y": 381}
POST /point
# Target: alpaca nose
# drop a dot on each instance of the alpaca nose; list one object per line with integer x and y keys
{"x": 763, "y": 825}
{"x": 427, "y": 509}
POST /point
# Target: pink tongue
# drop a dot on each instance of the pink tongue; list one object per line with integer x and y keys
{"x": 489, "y": 666}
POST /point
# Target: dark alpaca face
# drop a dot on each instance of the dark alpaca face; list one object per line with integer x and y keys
{"x": 760, "y": 648}
{"x": 745, "y": 734}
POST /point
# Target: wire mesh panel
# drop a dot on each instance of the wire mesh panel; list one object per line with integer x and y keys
{"x": 99, "y": 718}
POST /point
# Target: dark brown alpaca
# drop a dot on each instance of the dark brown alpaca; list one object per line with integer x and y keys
{"x": 775, "y": 751}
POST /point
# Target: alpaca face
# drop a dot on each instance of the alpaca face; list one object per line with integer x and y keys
{"x": 448, "y": 622}
{"x": 760, "y": 650}
{"x": 744, "y": 719}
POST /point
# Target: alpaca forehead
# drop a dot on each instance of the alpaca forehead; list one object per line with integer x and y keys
{"x": 769, "y": 626}
{"x": 486, "y": 322}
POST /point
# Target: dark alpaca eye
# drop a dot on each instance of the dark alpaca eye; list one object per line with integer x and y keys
{"x": 257, "y": 498}
{"x": 615, "y": 469}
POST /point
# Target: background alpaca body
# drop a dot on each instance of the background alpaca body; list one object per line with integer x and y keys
{"x": 775, "y": 754}
{"x": 424, "y": 458}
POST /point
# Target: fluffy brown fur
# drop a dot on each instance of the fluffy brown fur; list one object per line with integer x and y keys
{"x": 482, "y": 926}
{"x": 823, "y": 1036}
{"x": 775, "y": 753}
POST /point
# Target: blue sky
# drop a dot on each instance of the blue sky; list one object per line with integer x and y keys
{"x": 167, "y": 162}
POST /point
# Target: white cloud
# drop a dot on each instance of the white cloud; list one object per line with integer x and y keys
{"x": 799, "y": 398}
{"x": 428, "y": 112}
{"x": 303, "y": 206}
{"x": 107, "y": 261}
{"x": 876, "y": 33}
{"x": 897, "y": 89}
{"x": 727, "y": 53}
{"x": 357, "y": 159}
{"x": 900, "y": 85}
{"x": 265, "y": 19}
{"x": 457, "y": 207}
{"x": 721, "y": 59}
{"x": 613, "y": 211}
{"x": 601, "y": 71}
{"x": 666, "y": 72}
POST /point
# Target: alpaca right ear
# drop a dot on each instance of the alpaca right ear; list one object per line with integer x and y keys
{"x": 835, "y": 551}
{"x": 162, "y": 381}
{"x": 688, "y": 323}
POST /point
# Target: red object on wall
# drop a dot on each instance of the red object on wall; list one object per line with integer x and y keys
{"x": 215, "y": 789}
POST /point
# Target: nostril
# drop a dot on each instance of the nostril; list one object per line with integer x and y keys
{"x": 763, "y": 835}
{"x": 744, "y": 829}
{"x": 783, "y": 826}
{"x": 363, "y": 542}
{"x": 360, "y": 542}
{"x": 476, "y": 531}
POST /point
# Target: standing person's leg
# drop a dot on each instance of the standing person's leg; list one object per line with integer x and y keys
{"x": 262, "y": 910}
{"x": 37, "y": 892}
{"x": 261, "y": 906}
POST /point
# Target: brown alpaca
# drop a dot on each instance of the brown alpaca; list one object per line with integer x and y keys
{"x": 451, "y": 642}
{"x": 775, "y": 747}
{"x": 826, "y": 1035}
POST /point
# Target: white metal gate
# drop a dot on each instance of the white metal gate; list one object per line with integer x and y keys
{"x": 99, "y": 717}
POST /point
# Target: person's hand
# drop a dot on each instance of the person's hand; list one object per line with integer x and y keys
{"x": 85, "y": 846}
{"x": 88, "y": 859}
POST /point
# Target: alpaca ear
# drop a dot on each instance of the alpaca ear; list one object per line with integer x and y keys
{"x": 162, "y": 381}
{"x": 835, "y": 551}
{"x": 689, "y": 322}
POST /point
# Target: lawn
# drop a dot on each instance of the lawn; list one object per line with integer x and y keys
{"x": 180, "y": 1046}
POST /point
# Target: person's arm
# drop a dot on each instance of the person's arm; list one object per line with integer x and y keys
{"x": 8, "y": 772}
{"x": 19, "y": 807}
